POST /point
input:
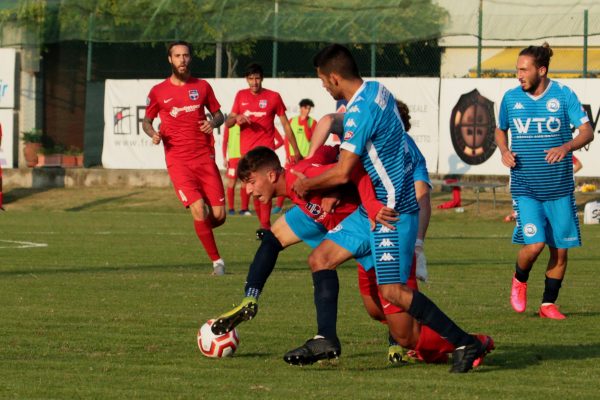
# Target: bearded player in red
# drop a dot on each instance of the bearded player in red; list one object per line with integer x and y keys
{"x": 180, "y": 101}
{"x": 254, "y": 110}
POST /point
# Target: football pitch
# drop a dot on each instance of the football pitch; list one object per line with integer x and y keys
{"x": 102, "y": 291}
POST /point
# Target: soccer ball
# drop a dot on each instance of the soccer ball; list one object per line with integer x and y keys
{"x": 217, "y": 346}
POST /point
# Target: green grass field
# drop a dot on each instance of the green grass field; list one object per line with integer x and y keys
{"x": 102, "y": 292}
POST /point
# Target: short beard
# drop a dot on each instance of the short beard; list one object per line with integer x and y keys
{"x": 181, "y": 77}
{"x": 534, "y": 86}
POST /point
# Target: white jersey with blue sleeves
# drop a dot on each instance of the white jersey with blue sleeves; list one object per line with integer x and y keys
{"x": 537, "y": 124}
{"x": 373, "y": 130}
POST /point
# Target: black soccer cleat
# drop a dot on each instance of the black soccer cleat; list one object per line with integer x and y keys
{"x": 244, "y": 312}
{"x": 464, "y": 356}
{"x": 315, "y": 349}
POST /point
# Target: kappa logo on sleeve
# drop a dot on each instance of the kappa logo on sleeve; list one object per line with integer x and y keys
{"x": 350, "y": 123}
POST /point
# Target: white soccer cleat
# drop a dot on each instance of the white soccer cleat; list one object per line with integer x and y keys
{"x": 218, "y": 267}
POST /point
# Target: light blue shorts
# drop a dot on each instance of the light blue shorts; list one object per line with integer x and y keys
{"x": 553, "y": 222}
{"x": 393, "y": 250}
{"x": 351, "y": 234}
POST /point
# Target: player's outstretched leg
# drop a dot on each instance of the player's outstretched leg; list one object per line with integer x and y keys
{"x": 315, "y": 349}
{"x": 244, "y": 312}
{"x": 258, "y": 273}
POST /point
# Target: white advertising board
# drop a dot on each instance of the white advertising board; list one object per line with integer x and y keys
{"x": 7, "y": 77}
{"x": 6, "y": 145}
{"x": 492, "y": 90}
{"x": 127, "y": 146}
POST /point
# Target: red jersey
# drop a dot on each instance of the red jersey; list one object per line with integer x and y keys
{"x": 324, "y": 159}
{"x": 261, "y": 109}
{"x": 181, "y": 109}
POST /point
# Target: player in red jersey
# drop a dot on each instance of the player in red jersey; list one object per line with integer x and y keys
{"x": 186, "y": 132}
{"x": 254, "y": 110}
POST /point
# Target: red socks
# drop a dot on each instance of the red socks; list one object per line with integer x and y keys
{"x": 231, "y": 198}
{"x": 245, "y": 198}
{"x": 263, "y": 212}
{"x": 205, "y": 234}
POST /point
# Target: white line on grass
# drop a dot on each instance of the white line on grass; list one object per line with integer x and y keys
{"x": 21, "y": 245}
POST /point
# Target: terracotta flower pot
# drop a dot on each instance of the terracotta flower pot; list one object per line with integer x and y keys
{"x": 30, "y": 151}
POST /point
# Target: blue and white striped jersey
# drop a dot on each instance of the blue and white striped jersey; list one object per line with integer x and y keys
{"x": 374, "y": 131}
{"x": 537, "y": 124}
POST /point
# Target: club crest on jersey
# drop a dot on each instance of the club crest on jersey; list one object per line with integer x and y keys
{"x": 553, "y": 105}
{"x": 529, "y": 230}
{"x": 193, "y": 94}
{"x": 348, "y": 135}
{"x": 262, "y": 104}
{"x": 312, "y": 208}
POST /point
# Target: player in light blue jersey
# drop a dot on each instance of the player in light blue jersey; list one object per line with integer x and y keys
{"x": 539, "y": 114}
{"x": 374, "y": 135}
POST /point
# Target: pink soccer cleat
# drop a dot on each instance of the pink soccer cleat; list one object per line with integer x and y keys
{"x": 518, "y": 295}
{"x": 549, "y": 310}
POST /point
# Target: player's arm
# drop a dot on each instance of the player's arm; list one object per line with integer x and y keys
{"x": 508, "y": 157}
{"x": 289, "y": 134}
{"x": 149, "y": 129}
{"x": 217, "y": 120}
{"x": 330, "y": 123}
{"x": 233, "y": 118}
{"x": 586, "y": 135}
{"x": 375, "y": 209}
{"x": 338, "y": 175}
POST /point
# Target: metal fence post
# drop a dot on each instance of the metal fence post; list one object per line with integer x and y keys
{"x": 479, "y": 41}
{"x": 585, "y": 42}
{"x": 275, "y": 34}
{"x": 88, "y": 71}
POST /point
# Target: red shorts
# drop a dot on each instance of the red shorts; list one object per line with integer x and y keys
{"x": 232, "y": 164}
{"x": 197, "y": 179}
{"x": 367, "y": 284}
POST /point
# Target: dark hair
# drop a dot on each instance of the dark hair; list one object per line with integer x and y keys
{"x": 336, "y": 58}
{"x": 179, "y": 43}
{"x": 306, "y": 102}
{"x": 404, "y": 114}
{"x": 256, "y": 159}
{"x": 541, "y": 54}
{"x": 254, "y": 68}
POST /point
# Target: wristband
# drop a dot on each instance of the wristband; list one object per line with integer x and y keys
{"x": 419, "y": 243}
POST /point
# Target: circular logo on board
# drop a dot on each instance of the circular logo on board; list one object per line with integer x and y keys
{"x": 472, "y": 127}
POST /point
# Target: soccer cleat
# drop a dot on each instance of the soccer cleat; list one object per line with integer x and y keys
{"x": 244, "y": 312}
{"x": 245, "y": 213}
{"x": 463, "y": 357}
{"x": 518, "y": 295}
{"x": 315, "y": 349}
{"x": 218, "y": 267}
{"x": 231, "y": 211}
{"x": 549, "y": 310}
{"x": 275, "y": 210}
{"x": 398, "y": 355}
{"x": 489, "y": 345}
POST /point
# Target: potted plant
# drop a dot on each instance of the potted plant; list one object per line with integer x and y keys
{"x": 50, "y": 156}
{"x": 33, "y": 142}
{"x": 69, "y": 158}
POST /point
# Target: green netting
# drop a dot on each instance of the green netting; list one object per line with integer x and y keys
{"x": 31, "y": 22}
{"x": 210, "y": 21}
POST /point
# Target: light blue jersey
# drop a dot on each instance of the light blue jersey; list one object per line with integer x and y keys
{"x": 373, "y": 130}
{"x": 537, "y": 124}
{"x": 418, "y": 168}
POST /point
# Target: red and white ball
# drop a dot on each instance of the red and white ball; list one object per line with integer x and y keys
{"x": 217, "y": 346}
